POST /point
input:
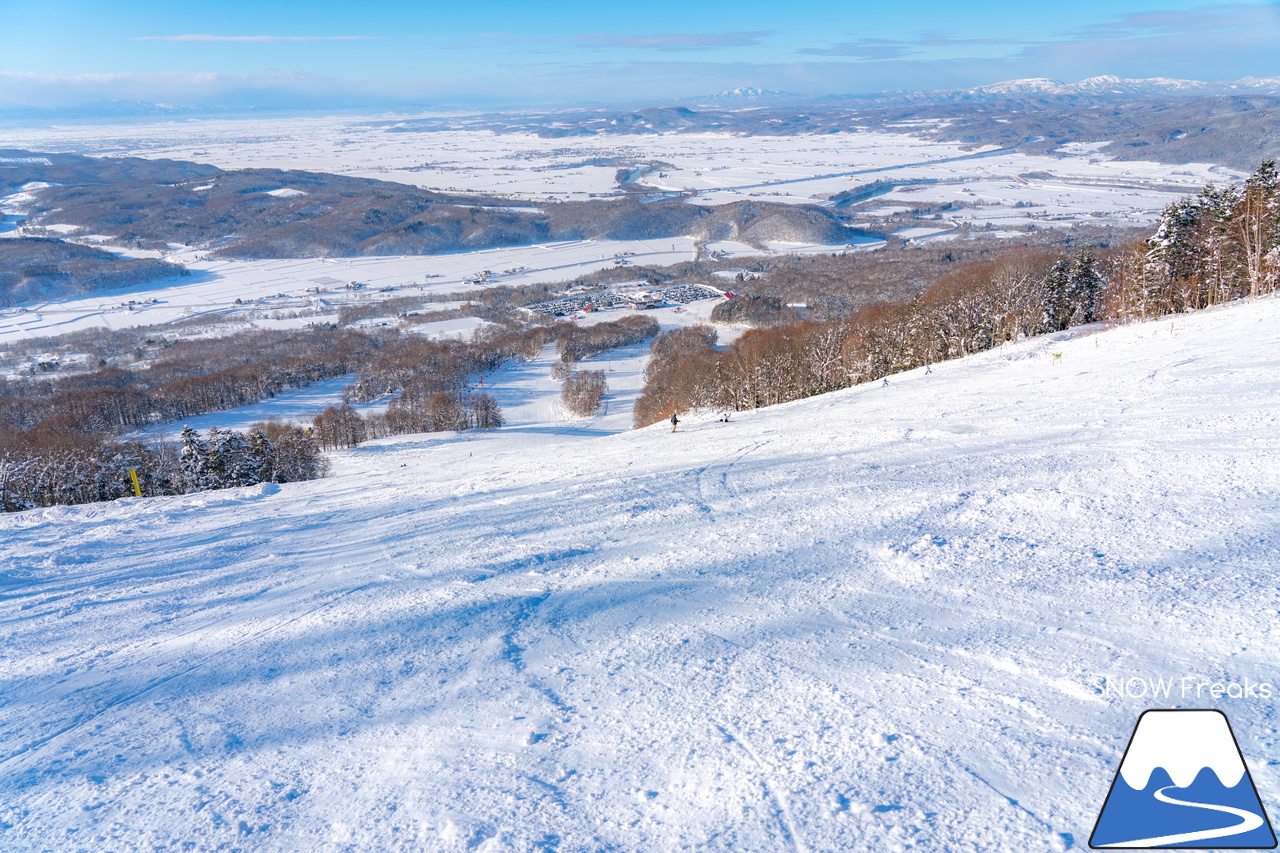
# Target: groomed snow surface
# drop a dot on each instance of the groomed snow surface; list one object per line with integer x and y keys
{"x": 873, "y": 620}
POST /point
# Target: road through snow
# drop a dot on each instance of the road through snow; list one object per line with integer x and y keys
{"x": 874, "y": 620}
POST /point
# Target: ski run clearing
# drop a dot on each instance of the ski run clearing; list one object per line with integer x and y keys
{"x": 873, "y": 620}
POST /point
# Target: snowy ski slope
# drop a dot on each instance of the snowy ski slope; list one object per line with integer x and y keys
{"x": 875, "y": 620}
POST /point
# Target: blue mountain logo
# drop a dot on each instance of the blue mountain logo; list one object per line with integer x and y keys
{"x": 1183, "y": 784}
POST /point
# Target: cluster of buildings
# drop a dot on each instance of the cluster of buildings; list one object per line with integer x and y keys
{"x": 635, "y": 300}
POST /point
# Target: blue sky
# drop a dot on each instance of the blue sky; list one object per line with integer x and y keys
{"x": 498, "y": 53}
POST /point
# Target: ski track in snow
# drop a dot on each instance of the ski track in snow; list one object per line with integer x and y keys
{"x": 872, "y": 620}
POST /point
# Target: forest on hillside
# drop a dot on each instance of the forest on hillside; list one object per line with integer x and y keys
{"x": 36, "y": 268}
{"x": 275, "y": 213}
{"x": 1220, "y": 245}
{"x": 61, "y": 435}
{"x": 60, "y": 431}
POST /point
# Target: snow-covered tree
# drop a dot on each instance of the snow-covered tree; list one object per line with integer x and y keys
{"x": 231, "y": 459}
{"x": 485, "y": 413}
{"x": 1084, "y": 289}
{"x": 1257, "y": 221}
{"x": 1057, "y": 296}
{"x": 194, "y": 462}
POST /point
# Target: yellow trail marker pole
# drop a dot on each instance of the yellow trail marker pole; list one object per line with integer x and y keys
{"x": 133, "y": 475}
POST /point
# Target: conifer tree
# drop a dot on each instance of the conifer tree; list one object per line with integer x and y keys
{"x": 1057, "y": 296}
{"x": 193, "y": 462}
{"x": 232, "y": 459}
{"x": 1174, "y": 250}
{"x": 1084, "y": 289}
{"x": 264, "y": 457}
{"x": 1219, "y": 268}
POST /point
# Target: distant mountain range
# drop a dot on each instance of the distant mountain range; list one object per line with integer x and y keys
{"x": 1106, "y": 87}
{"x": 1142, "y": 88}
{"x": 1234, "y": 124}
{"x": 742, "y": 95}
{"x": 1231, "y": 123}
{"x": 1109, "y": 85}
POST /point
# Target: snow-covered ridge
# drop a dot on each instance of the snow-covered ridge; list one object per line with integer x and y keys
{"x": 1108, "y": 84}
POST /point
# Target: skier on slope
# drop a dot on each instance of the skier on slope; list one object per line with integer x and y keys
{"x": 674, "y": 421}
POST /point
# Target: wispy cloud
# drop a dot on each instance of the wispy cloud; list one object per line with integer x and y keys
{"x": 1224, "y": 41}
{"x": 878, "y": 48}
{"x": 667, "y": 41}
{"x": 864, "y": 49}
{"x": 278, "y": 88}
{"x": 253, "y": 39}
{"x": 1223, "y": 18}
{"x": 944, "y": 40}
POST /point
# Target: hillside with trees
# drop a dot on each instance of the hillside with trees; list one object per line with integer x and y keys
{"x": 1221, "y": 245}
{"x": 33, "y": 268}
{"x": 273, "y": 213}
{"x": 60, "y": 435}
{"x": 60, "y": 431}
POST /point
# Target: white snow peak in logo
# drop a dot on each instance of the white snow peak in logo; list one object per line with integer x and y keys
{"x": 1183, "y": 784}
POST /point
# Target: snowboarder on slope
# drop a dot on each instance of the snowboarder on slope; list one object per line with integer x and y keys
{"x": 674, "y": 421}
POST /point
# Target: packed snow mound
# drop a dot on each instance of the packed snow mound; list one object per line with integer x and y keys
{"x": 887, "y": 618}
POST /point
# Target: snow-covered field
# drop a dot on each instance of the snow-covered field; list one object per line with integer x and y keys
{"x": 294, "y": 292}
{"x": 875, "y": 620}
{"x": 1086, "y": 186}
{"x": 987, "y": 193}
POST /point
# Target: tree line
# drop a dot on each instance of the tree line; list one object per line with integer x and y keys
{"x": 578, "y": 342}
{"x": 1220, "y": 245}
{"x": 184, "y": 379}
{"x": 342, "y": 426}
{"x": 86, "y": 471}
{"x": 59, "y": 435}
